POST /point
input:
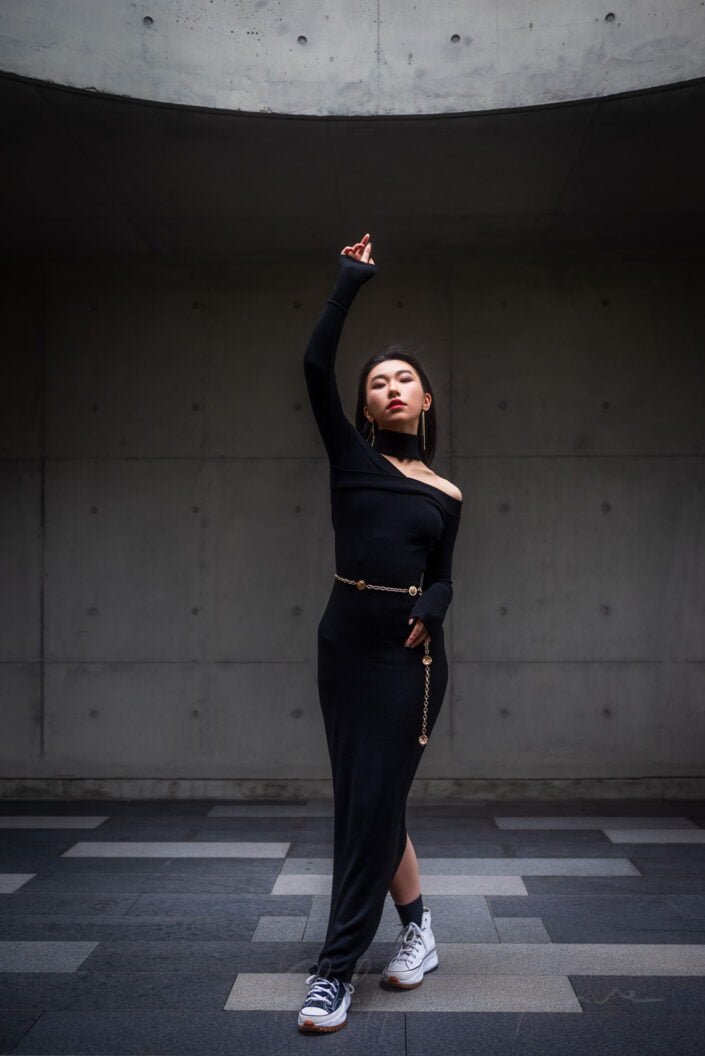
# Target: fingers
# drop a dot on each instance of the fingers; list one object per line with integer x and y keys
{"x": 417, "y": 635}
{"x": 361, "y": 250}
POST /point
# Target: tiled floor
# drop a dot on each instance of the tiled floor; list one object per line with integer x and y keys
{"x": 189, "y": 927}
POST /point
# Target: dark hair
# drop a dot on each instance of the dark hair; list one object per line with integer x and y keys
{"x": 398, "y": 351}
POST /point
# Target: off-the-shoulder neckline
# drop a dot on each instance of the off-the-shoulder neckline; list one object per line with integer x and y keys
{"x": 423, "y": 483}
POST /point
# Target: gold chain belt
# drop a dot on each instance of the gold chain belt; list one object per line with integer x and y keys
{"x": 426, "y": 660}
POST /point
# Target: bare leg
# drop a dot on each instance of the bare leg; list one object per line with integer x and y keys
{"x": 406, "y": 885}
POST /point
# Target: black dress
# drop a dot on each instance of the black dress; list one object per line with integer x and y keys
{"x": 389, "y": 529}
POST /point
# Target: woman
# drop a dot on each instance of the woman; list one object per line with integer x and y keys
{"x": 381, "y": 683}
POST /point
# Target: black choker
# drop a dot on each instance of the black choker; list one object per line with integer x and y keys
{"x": 401, "y": 445}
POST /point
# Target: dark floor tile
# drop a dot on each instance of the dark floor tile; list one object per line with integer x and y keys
{"x": 244, "y": 876}
{"x": 640, "y": 995}
{"x": 609, "y": 886}
{"x": 130, "y": 807}
{"x": 34, "y": 992}
{"x": 545, "y": 1034}
{"x": 83, "y": 904}
{"x": 688, "y": 854}
{"x": 13, "y": 1026}
{"x": 178, "y": 955}
{"x": 208, "y": 1034}
{"x": 235, "y": 926}
{"x": 626, "y": 918}
{"x": 691, "y": 907}
{"x": 673, "y": 866}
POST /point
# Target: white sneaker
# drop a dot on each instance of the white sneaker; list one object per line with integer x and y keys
{"x": 415, "y": 955}
{"x": 326, "y": 1005}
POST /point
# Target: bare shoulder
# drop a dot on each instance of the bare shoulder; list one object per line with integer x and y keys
{"x": 448, "y": 487}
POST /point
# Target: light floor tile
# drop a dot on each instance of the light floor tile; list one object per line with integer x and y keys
{"x": 176, "y": 849}
{"x": 51, "y": 821}
{"x": 319, "y": 866}
{"x": 279, "y": 929}
{"x": 655, "y": 835}
{"x": 10, "y": 882}
{"x": 44, "y": 956}
{"x": 433, "y": 884}
{"x": 594, "y": 822}
{"x": 568, "y": 958}
{"x": 469, "y": 993}
{"x": 487, "y": 867}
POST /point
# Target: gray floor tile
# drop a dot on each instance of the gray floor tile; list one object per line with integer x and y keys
{"x": 579, "y": 918}
{"x": 203, "y": 991}
{"x": 14, "y": 1025}
{"x": 543, "y": 1034}
{"x": 43, "y": 956}
{"x": 642, "y": 995}
{"x": 10, "y": 882}
{"x": 22, "y": 903}
{"x": 279, "y": 929}
{"x": 148, "y": 1033}
{"x": 177, "y": 849}
{"x": 665, "y": 885}
{"x": 311, "y": 808}
{"x": 594, "y": 821}
{"x": 633, "y": 835}
{"x": 571, "y": 958}
{"x": 242, "y": 876}
{"x": 51, "y": 821}
{"x": 456, "y": 993}
{"x": 611, "y": 932}
{"x": 615, "y": 866}
{"x": 521, "y": 929}
{"x": 433, "y": 884}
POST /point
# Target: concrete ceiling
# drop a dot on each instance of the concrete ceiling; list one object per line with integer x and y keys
{"x": 89, "y": 174}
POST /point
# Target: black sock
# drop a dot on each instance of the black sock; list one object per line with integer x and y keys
{"x": 411, "y": 911}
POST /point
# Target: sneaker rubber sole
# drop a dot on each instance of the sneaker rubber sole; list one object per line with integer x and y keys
{"x": 395, "y": 981}
{"x": 333, "y": 1021}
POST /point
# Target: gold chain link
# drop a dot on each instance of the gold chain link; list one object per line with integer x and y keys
{"x": 426, "y": 660}
{"x": 361, "y": 584}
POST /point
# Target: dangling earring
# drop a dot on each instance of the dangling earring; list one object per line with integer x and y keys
{"x": 423, "y": 430}
{"x": 372, "y": 433}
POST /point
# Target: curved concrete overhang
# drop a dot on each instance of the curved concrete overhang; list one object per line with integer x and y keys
{"x": 95, "y": 174}
{"x": 368, "y": 59}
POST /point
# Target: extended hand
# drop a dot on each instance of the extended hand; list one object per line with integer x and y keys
{"x": 360, "y": 251}
{"x": 418, "y": 634}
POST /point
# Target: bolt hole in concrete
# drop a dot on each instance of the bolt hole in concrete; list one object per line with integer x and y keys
{"x": 302, "y": 40}
{"x": 148, "y": 20}
{"x": 609, "y": 17}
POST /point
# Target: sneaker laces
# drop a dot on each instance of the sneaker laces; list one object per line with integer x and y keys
{"x": 410, "y": 935}
{"x": 324, "y": 989}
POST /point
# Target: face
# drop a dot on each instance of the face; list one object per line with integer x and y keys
{"x": 391, "y": 381}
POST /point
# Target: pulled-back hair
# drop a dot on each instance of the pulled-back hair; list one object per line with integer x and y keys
{"x": 398, "y": 351}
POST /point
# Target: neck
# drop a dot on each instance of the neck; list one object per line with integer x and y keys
{"x": 401, "y": 445}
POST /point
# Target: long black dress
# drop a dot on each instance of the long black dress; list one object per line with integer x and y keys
{"x": 389, "y": 529}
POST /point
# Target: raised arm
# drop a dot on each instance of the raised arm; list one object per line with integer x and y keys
{"x": 431, "y": 606}
{"x": 319, "y": 357}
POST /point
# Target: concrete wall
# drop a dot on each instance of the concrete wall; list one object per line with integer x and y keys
{"x": 370, "y": 57}
{"x": 167, "y": 548}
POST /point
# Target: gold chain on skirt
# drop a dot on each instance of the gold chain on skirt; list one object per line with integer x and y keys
{"x": 426, "y": 660}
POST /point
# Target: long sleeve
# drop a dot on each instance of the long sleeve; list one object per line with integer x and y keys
{"x": 431, "y": 606}
{"x": 319, "y": 357}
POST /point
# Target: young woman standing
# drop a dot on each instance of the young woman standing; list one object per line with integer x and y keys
{"x": 382, "y": 667}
